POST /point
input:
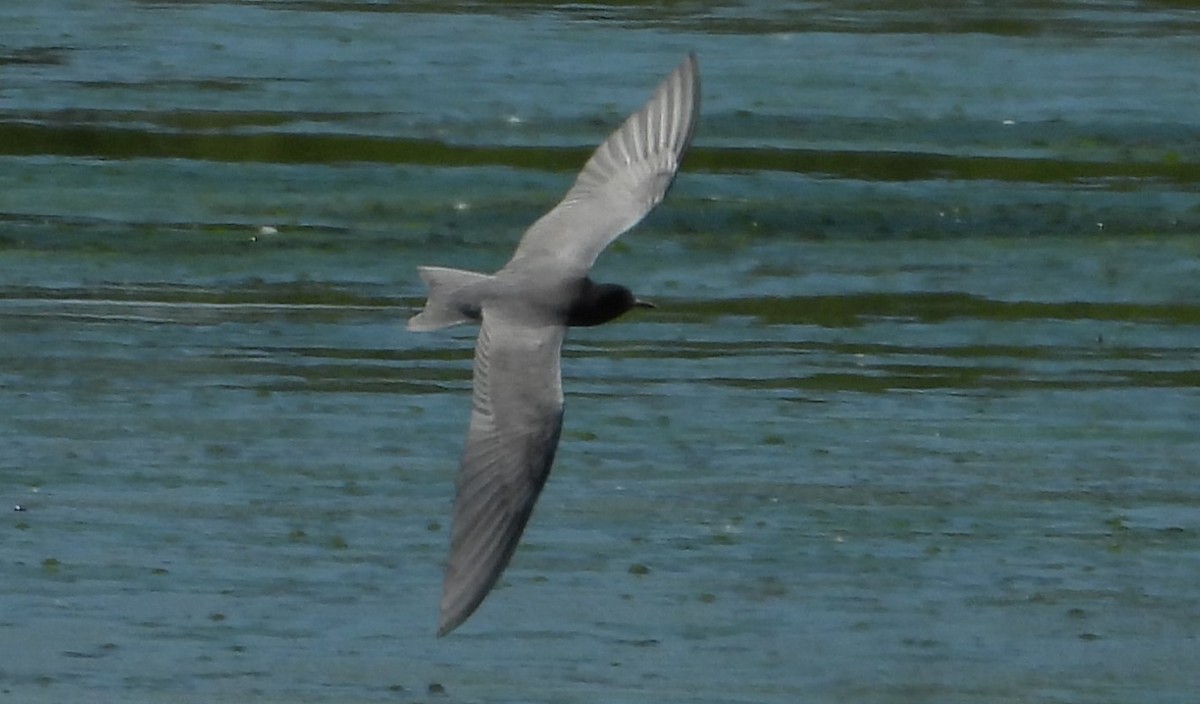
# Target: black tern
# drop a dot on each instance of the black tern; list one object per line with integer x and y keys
{"x": 524, "y": 310}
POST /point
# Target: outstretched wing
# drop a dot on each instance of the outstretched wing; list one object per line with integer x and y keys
{"x": 516, "y": 417}
{"x": 623, "y": 180}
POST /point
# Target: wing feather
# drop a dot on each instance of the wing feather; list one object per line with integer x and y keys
{"x": 623, "y": 180}
{"x": 516, "y": 417}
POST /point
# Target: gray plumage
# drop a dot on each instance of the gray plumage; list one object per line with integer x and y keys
{"x": 524, "y": 310}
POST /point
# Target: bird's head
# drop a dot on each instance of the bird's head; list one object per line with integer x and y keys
{"x": 600, "y": 303}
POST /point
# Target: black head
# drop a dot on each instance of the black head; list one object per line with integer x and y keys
{"x": 599, "y": 303}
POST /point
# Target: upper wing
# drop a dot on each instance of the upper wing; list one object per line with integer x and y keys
{"x": 516, "y": 417}
{"x": 623, "y": 180}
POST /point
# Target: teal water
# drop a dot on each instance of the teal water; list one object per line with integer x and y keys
{"x": 914, "y": 420}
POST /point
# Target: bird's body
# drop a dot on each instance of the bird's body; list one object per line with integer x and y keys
{"x": 524, "y": 310}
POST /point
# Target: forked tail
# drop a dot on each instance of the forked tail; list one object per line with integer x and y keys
{"x": 450, "y": 302}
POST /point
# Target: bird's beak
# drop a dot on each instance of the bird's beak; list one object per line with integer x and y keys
{"x": 638, "y": 303}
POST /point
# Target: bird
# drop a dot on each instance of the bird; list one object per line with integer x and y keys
{"x": 523, "y": 311}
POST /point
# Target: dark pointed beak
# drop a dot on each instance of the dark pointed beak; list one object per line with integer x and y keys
{"x": 638, "y": 303}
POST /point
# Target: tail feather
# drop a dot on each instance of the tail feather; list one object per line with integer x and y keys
{"x": 449, "y": 302}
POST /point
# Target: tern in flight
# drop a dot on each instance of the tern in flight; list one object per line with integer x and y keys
{"x": 524, "y": 311}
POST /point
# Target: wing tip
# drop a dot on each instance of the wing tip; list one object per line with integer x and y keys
{"x": 459, "y": 602}
{"x": 454, "y": 611}
{"x": 692, "y": 63}
{"x": 447, "y": 624}
{"x": 688, "y": 71}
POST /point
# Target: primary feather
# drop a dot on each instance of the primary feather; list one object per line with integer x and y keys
{"x": 623, "y": 180}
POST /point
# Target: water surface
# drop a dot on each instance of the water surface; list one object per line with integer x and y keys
{"x": 914, "y": 420}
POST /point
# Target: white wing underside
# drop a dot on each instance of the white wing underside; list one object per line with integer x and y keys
{"x": 623, "y": 180}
